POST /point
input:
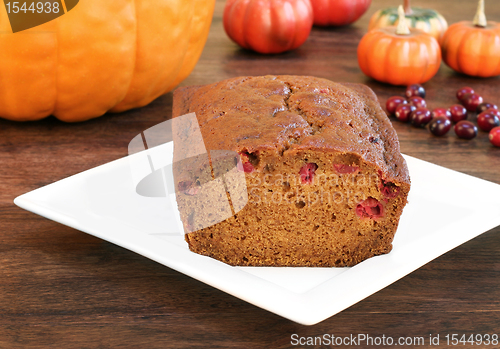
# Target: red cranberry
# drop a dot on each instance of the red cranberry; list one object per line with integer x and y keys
{"x": 403, "y": 112}
{"x": 188, "y": 187}
{"x": 307, "y": 173}
{"x": 440, "y": 126}
{"x": 415, "y": 90}
{"x": 188, "y": 227}
{"x": 485, "y": 106}
{"x": 345, "y": 169}
{"x": 393, "y": 102}
{"x": 370, "y": 208}
{"x": 463, "y": 91}
{"x": 418, "y": 102}
{"x": 471, "y": 101}
{"x": 420, "y": 117}
{"x": 247, "y": 166}
{"x": 486, "y": 121}
{"x": 465, "y": 129}
{"x": 458, "y": 113}
{"x": 495, "y": 136}
{"x": 441, "y": 112}
{"x": 389, "y": 189}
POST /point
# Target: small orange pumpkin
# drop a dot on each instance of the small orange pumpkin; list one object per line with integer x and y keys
{"x": 473, "y": 48}
{"x": 399, "y": 55}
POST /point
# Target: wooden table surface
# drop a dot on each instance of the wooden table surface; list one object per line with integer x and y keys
{"x": 61, "y": 288}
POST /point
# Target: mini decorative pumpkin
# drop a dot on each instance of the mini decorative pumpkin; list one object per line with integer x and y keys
{"x": 338, "y": 12}
{"x": 473, "y": 48}
{"x": 101, "y": 56}
{"x": 399, "y": 55}
{"x": 268, "y": 26}
{"x": 425, "y": 19}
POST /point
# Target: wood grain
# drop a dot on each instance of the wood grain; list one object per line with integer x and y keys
{"x": 61, "y": 288}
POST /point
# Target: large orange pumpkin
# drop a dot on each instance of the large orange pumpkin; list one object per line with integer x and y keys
{"x": 101, "y": 56}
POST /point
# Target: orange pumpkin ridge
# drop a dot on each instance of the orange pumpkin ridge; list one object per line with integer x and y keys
{"x": 99, "y": 57}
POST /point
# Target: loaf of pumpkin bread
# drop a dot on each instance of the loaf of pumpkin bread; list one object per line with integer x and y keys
{"x": 325, "y": 181}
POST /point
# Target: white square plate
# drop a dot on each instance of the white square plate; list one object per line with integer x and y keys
{"x": 445, "y": 209}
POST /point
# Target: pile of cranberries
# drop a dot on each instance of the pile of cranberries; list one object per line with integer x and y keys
{"x": 413, "y": 108}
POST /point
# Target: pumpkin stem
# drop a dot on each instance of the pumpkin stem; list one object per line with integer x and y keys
{"x": 480, "y": 17}
{"x": 402, "y": 28}
{"x": 407, "y": 7}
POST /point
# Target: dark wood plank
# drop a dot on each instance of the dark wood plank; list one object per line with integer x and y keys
{"x": 62, "y": 288}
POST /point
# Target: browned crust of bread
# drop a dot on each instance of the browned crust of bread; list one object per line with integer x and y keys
{"x": 346, "y": 130}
